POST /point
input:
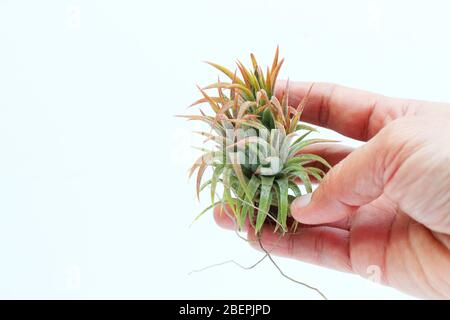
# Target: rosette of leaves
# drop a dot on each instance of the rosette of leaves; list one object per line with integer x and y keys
{"x": 257, "y": 147}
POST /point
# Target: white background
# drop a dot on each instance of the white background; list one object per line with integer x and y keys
{"x": 94, "y": 196}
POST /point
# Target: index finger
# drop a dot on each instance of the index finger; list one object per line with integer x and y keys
{"x": 354, "y": 113}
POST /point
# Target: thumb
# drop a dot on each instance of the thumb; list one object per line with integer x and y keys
{"x": 355, "y": 181}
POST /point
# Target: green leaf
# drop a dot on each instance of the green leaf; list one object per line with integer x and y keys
{"x": 204, "y": 185}
{"x": 303, "y": 175}
{"x": 316, "y": 173}
{"x": 226, "y": 71}
{"x": 240, "y": 219}
{"x": 282, "y": 201}
{"x": 303, "y": 126}
{"x": 253, "y": 187}
{"x": 248, "y": 77}
{"x": 297, "y": 146}
{"x": 294, "y": 187}
{"x": 204, "y": 211}
{"x": 227, "y": 187}
{"x": 302, "y": 158}
{"x": 291, "y": 167}
{"x": 241, "y": 177}
{"x": 303, "y": 136}
{"x": 267, "y": 119}
{"x": 264, "y": 202}
{"x": 216, "y": 174}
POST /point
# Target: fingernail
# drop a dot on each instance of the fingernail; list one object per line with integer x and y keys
{"x": 301, "y": 202}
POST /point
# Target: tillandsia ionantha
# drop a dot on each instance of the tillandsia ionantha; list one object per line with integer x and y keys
{"x": 258, "y": 140}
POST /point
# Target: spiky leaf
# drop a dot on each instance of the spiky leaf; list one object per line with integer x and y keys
{"x": 264, "y": 201}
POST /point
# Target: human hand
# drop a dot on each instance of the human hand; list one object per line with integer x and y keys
{"x": 385, "y": 204}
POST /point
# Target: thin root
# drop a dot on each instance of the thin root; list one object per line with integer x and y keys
{"x": 266, "y": 255}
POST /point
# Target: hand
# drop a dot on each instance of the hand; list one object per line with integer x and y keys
{"x": 385, "y": 205}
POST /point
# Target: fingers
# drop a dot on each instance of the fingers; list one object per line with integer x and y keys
{"x": 225, "y": 219}
{"x": 354, "y": 113}
{"x": 324, "y": 246}
{"x": 355, "y": 181}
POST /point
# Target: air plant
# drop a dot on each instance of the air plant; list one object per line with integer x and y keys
{"x": 258, "y": 140}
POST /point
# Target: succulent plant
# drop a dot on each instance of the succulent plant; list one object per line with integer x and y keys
{"x": 257, "y": 146}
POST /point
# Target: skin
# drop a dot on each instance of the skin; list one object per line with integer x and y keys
{"x": 384, "y": 208}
